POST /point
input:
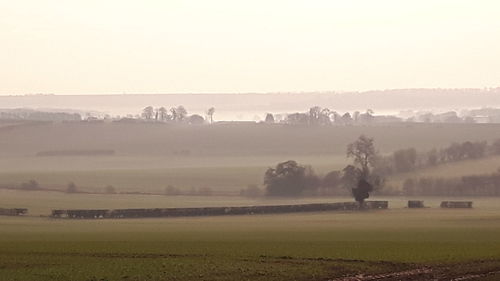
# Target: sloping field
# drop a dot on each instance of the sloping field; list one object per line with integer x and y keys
{"x": 230, "y": 139}
{"x": 224, "y": 157}
{"x": 452, "y": 170}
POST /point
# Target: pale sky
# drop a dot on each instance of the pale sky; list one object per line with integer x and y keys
{"x": 169, "y": 46}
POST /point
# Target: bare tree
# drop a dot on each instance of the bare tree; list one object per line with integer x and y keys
{"x": 148, "y": 112}
{"x": 325, "y": 116}
{"x": 210, "y": 114}
{"x": 314, "y": 115}
{"x": 363, "y": 152}
{"x": 357, "y": 177}
{"x": 163, "y": 113}
{"x": 179, "y": 113}
{"x": 346, "y": 119}
{"x": 173, "y": 112}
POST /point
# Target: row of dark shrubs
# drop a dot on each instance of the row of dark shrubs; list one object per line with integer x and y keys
{"x": 75, "y": 152}
{"x": 477, "y": 185}
{"x": 109, "y": 189}
{"x": 407, "y": 160}
{"x": 70, "y": 187}
{"x": 331, "y": 185}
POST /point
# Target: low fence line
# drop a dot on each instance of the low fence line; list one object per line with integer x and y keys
{"x": 214, "y": 211}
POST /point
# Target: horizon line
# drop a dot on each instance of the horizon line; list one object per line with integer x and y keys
{"x": 249, "y": 93}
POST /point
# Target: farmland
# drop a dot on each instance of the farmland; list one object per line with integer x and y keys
{"x": 308, "y": 246}
{"x": 224, "y": 157}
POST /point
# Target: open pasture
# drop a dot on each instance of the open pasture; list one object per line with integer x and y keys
{"x": 226, "y": 158}
{"x": 46, "y": 201}
{"x": 223, "y": 157}
{"x": 307, "y": 246}
{"x": 223, "y": 180}
{"x": 171, "y": 141}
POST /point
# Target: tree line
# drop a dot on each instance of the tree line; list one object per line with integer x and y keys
{"x": 474, "y": 185}
{"x": 175, "y": 114}
{"x": 319, "y": 116}
{"x": 29, "y": 114}
{"x": 409, "y": 159}
{"x": 292, "y": 179}
{"x": 368, "y": 171}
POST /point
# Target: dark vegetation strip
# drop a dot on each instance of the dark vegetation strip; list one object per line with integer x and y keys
{"x": 13, "y": 211}
{"x": 84, "y": 152}
{"x": 214, "y": 211}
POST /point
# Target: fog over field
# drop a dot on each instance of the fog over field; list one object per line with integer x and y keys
{"x": 254, "y": 106}
{"x": 264, "y": 140}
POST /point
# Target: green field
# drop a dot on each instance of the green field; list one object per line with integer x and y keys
{"x": 222, "y": 180}
{"x": 227, "y": 158}
{"x": 46, "y": 201}
{"x": 224, "y": 158}
{"x": 308, "y": 246}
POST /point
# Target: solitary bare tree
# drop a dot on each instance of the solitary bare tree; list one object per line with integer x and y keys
{"x": 363, "y": 152}
{"x": 357, "y": 177}
{"x": 210, "y": 114}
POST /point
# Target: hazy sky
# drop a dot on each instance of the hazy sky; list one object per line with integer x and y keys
{"x": 108, "y": 46}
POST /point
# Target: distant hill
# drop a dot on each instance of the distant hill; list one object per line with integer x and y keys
{"x": 253, "y": 106}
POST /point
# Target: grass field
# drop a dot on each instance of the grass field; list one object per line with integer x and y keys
{"x": 231, "y": 139}
{"x": 308, "y": 246}
{"x": 46, "y": 201}
{"x": 226, "y": 180}
{"x": 225, "y": 158}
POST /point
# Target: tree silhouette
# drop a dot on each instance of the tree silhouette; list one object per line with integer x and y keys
{"x": 210, "y": 114}
{"x": 148, "y": 112}
{"x": 289, "y": 179}
{"x": 363, "y": 152}
{"x": 163, "y": 113}
{"x": 357, "y": 177}
{"x": 196, "y": 119}
{"x": 269, "y": 118}
{"x": 179, "y": 113}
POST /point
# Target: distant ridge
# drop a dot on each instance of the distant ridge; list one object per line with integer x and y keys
{"x": 250, "y": 106}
